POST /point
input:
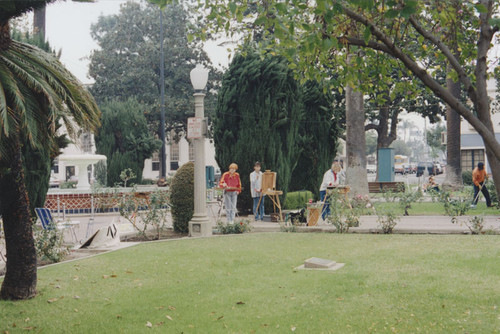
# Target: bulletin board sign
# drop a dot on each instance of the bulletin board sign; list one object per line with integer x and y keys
{"x": 195, "y": 127}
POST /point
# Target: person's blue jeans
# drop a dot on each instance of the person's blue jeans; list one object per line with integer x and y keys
{"x": 258, "y": 212}
{"x": 326, "y": 208}
{"x": 230, "y": 199}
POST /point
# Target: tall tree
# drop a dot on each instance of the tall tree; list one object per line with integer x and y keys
{"x": 35, "y": 91}
{"x": 320, "y": 132}
{"x": 356, "y": 175}
{"x": 309, "y": 33}
{"x": 257, "y": 119}
{"x": 434, "y": 139}
{"x": 127, "y": 61}
{"x": 37, "y": 161}
{"x": 124, "y": 139}
{"x": 453, "y": 22}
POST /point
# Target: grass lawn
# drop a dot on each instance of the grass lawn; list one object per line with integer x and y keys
{"x": 246, "y": 283}
{"x": 435, "y": 209}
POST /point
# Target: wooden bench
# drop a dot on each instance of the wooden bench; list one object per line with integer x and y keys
{"x": 378, "y": 187}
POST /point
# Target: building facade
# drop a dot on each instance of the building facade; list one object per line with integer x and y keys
{"x": 472, "y": 145}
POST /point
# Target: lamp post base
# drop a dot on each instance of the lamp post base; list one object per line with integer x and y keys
{"x": 200, "y": 226}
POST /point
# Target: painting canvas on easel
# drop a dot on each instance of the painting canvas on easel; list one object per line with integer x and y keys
{"x": 269, "y": 189}
{"x": 268, "y": 181}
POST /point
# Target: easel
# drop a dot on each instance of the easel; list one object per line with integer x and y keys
{"x": 269, "y": 189}
{"x": 341, "y": 189}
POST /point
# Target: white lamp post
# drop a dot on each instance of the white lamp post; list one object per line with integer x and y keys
{"x": 200, "y": 225}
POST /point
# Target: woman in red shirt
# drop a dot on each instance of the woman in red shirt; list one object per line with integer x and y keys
{"x": 230, "y": 182}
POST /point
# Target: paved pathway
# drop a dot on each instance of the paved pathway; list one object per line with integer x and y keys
{"x": 411, "y": 224}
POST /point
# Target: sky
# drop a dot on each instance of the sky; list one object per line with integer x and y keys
{"x": 68, "y": 29}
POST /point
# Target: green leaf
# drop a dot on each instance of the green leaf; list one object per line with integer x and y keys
{"x": 161, "y": 3}
{"x": 232, "y": 7}
{"x": 281, "y": 7}
{"x": 190, "y": 38}
{"x": 481, "y": 8}
{"x": 495, "y": 22}
{"x": 367, "y": 34}
{"x": 391, "y": 13}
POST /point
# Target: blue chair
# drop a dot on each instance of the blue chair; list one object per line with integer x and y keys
{"x": 49, "y": 223}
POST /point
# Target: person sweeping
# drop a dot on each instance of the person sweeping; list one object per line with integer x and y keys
{"x": 479, "y": 177}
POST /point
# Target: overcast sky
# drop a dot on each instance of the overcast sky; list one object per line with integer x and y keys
{"x": 68, "y": 28}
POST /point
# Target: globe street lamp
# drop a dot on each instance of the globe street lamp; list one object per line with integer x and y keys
{"x": 200, "y": 225}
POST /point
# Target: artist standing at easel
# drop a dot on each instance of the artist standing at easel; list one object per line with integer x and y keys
{"x": 256, "y": 190}
{"x": 330, "y": 178}
{"x": 230, "y": 182}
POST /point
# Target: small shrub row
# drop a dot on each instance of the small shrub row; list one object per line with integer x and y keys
{"x": 297, "y": 199}
{"x": 237, "y": 227}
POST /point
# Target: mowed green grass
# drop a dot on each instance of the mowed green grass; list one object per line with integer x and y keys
{"x": 247, "y": 283}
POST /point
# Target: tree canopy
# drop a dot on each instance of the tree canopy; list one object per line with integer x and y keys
{"x": 127, "y": 63}
{"x": 257, "y": 119}
{"x": 316, "y": 36}
{"x": 124, "y": 139}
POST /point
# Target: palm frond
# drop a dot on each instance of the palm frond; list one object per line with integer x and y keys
{"x": 35, "y": 91}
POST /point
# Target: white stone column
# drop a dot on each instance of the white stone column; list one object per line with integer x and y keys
{"x": 200, "y": 225}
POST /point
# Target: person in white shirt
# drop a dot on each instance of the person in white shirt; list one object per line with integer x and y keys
{"x": 330, "y": 178}
{"x": 256, "y": 190}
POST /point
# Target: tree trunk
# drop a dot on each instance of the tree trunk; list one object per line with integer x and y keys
{"x": 453, "y": 179}
{"x": 483, "y": 101}
{"x": 39, "y": 22}
{"x": 356, "y": 176}
{"x": 20, "y": 278}
{"x": 5, "y": 39}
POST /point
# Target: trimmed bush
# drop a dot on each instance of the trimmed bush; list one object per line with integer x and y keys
{"x": 297, "y": 199}
{"x": 467, "y": 178}
{"x": 182, "y": 197}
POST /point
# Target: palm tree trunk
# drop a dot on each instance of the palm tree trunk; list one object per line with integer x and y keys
{"x": 20, "y": 278}
{"x": 39, "y": 22}
{"x": 5, "y": 39}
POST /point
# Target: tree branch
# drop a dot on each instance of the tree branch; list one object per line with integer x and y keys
{"x": 371, "y": 126}
{"x": 393, "y": 134}
{"x": 430, "y": 82}
{"x": 449, "y": 55}
{"x": 361, "y": 42}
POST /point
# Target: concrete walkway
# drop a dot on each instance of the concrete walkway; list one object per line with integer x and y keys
{"x": 410, "y": 225}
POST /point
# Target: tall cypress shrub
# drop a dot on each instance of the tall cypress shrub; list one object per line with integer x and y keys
{"x": 257, "y": 117}
{"x": 320, "y": 132}
{"x": 124, "y": 138}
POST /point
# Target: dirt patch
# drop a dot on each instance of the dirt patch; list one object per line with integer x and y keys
{"x": 164, "y": 235}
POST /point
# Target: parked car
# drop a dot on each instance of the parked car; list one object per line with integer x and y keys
{"x": 371, "y": 169}
{"x": 413, "y": 168}
{"x": 407, "y": 169}
{"x": 431, "y": 168}
{"x": 439, "y": 168}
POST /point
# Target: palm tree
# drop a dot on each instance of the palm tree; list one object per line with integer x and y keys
{"x": 35, "y": 91}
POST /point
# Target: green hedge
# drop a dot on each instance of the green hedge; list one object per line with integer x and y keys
{"x": 182, "y": 197}
{"x": 467, "y": 178}
{"x": 297, "y": 199}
